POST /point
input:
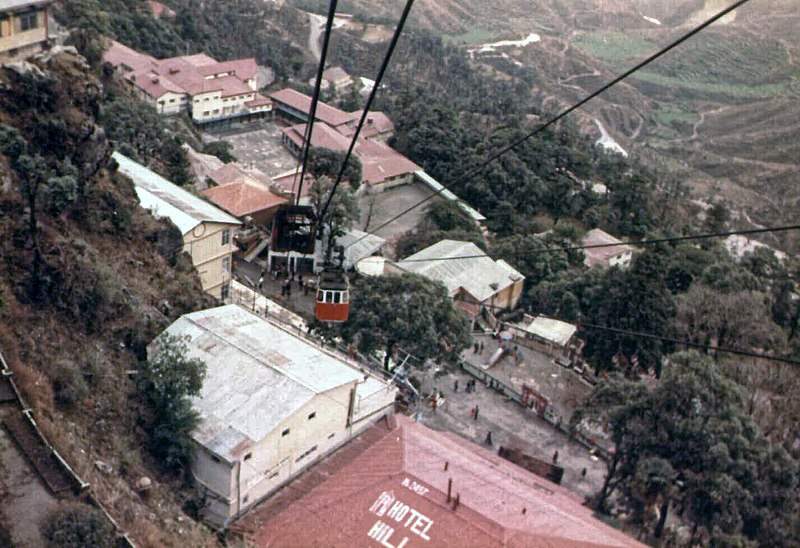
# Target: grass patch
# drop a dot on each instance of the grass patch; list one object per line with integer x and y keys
{"x": 475, "y": 35}
{"x": 717, "y": 89}
{"x": 614, "y": 48}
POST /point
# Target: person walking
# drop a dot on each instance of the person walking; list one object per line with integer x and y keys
{"x": 480, "y": 348}
{"x": 455, "y": 386}
{"x": 489, "y": 438}
{"x": 555, "y": 456}
{"x": 476, "y": 412}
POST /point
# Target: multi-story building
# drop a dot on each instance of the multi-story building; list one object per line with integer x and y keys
{"x": 272, "y": 405}
{"x": 23, "y": 28}
{"x": 207, "y": 231}
{"x": 213, "y": 93}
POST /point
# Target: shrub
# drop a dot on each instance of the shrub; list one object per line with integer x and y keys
{"x": 74, "y": 524}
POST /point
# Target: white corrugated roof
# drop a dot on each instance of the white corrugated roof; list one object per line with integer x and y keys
{"x": 474, "y": 214}
{"x": 166, "y": 199}
{"x": 358, "y": 244}
{"x": 257, "y": 375}
{"x": 552, "y": 330}
{"x": 480, "y": 276}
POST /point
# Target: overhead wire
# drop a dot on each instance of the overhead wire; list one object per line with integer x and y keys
{"x": 646, "y": 241}
{"x": 560, "y": 115}
{"x": 315, "y": 98}
{"x": 365, "y": 111}
{"x": 644, "y": 335}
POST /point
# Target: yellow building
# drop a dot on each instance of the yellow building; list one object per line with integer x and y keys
{"x": 23, "y": 28}
{"x": 272, "y": 405}
{"x": 207, "y": 231}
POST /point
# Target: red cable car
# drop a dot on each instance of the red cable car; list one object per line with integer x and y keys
{"x": 333, "y": 296}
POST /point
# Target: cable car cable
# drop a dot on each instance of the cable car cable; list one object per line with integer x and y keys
{"x": 365, "y": 111}
{"x": 647, "y": 241}
{"x": 315, "y": 98}
{"x": 651, "y": 336}
{"x": 563, "y": 113}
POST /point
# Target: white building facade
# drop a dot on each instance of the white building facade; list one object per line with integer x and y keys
{"x": 272, "y": 404}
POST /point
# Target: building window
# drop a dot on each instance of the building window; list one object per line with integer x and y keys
{"x": 285, "y": 433}
{"x": 330, "y": 436}
{"x": 28, "y": 21}
{"x": 205, "y": 99}
{"x": 312, "y": 415}
{"x": 205, "y": 113}
{"x": 215, "y": 459}
{"x": 216, "y": 111}
{"x": 307, "y": 453}
{"x": 225, "y": 292}
{"x": 226, "y": 234}
{"x": 248, "y": 456}
{"x": 226, "y": 264}
{"x": 172, "y": 100}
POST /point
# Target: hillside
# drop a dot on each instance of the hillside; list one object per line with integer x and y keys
{"x": 720, "y": 112}
{"x": 87, "y": 278}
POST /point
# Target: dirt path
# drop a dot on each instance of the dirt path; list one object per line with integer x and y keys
{"x": 315, "y": 25}
{"x": 27, "y": 500}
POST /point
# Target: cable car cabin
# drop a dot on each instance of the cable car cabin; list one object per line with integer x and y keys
{"x": 294, "y": 229}
{"x": 333, "y": 296}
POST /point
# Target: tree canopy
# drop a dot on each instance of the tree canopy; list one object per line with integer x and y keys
{"x": 166, "y": 381}
{"x": 409, "y": 311}
{"x": 687, "y": 442}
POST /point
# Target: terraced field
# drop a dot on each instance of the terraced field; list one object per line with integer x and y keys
{"x": 722, "y": 107}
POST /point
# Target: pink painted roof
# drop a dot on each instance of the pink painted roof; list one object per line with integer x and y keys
{"x": 325, "y": 113}
{"x": 390, "y": 485}
{"x": 185, "y": 74}
{"x": 323, "y": 136}
{"x": 245, "y": 69}
{"x": 160, "y": 9}
{"x": 380, "y": 161}
{"x": 152, "y": 83}
{"x": 258, "y": 101}
{"x": 118, "y": 54}
{"x": 601, "y": 255}
{"x": 199, "y": 59}
{"x": 242, "y": 198}
{"x": 376, "y": 123}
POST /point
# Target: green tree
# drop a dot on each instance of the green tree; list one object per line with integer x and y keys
{"x": 408, "y": 311}
{"x": 729, "y": 480}
{"x": 637, "y": 300}
{"x": 77, "y": 525}
{"x": 221, "y": 149}
{"x": 327, "y": 162}
{"x": 524, "y": 252}
{"x": 166, "y": 381}
{"x": 342, "y": 212}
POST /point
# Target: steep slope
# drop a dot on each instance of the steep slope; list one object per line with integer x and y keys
{"x": 87, "y": 278}
{"x": 719, "y": 111}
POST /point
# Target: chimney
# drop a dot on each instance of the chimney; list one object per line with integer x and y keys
{"x": 449, "y": 488}
{"x": 456, "y": 501}
{"x": 524, "y": 511}
{"x": 446, "y": 464}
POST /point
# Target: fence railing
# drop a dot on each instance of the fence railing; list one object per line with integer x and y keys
{"x": 48, "y": 463}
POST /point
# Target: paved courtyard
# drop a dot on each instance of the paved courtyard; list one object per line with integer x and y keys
{"x": 259, "y": 146}
{"x": 563, "y": 387}
{"x": 511, "y": 426}
{"x": 379, "y": 207}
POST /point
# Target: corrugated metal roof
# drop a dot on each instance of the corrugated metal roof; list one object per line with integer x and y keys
{"x": 166, "y": 199}
{"x": 480, "y": 276}
{"x": 356, "y": 248}
{"x": 552, "y": 330}
{"x": 438, "y": 187}
{"x": 393, "y": 486}
{"x": 257, "y": 375}
{"x": 7, "y": 5}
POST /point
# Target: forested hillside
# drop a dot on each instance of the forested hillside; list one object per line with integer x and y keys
{"x": 87, "y": 279}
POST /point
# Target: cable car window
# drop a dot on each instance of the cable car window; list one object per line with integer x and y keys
{"x": 346, "y": 297}
{"x": 337, "y": 297}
